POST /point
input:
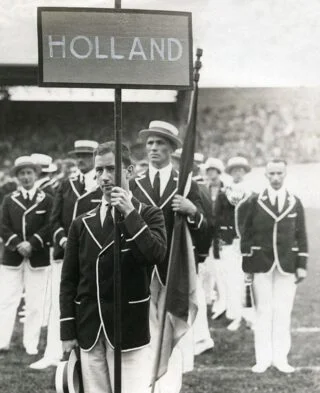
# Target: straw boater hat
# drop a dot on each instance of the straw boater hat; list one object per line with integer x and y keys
{"x": 45, "y": 162}
{"x": 25, "y": 162}
{"x": 238, "y": 162}
{"x": 84, "y": 146}
{"x": 163, "y": 129}
{"x": 68, "y": 378}
{"x": 214, "y": 163}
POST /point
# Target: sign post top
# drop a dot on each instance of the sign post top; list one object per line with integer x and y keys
{"x": 117, "y": 48}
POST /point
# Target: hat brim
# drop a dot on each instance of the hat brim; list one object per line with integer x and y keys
{"x": 81, "y": 151}
{"x": 245, "y": 167}
{"x": 51, "y": 168}
{"x": 150, "y": 132}
{"x": 68, "y": 378}
{"x": 206, "y": 168}
{"x": 17, "y": 168}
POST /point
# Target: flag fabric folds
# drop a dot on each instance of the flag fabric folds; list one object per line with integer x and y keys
{"x": 180, "y": 308}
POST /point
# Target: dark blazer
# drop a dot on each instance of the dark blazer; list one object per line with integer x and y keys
{"x": 270, "y": 238}
{"x": 87, "y": 202}
{"x": 143, "y": 191}
{"x": 86, "y": 290}
{"x": 46, "y": 185}
{"x": 62, "y": 212}
{"x": 20, "y": 223}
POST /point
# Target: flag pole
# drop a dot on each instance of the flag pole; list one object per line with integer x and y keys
{"x": 117, "y": 237}
{"x": 194, "y": 100}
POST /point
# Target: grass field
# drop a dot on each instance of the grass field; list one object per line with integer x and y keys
{"x": 227, "y": 368}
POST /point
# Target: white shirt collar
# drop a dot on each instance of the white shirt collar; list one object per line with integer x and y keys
{"x": 30, "y": 192}
{"x": 281, "y": 194}
{"x": 165, "y": 174}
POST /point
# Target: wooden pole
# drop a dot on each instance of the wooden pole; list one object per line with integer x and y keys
{"x": 117, "y": 252}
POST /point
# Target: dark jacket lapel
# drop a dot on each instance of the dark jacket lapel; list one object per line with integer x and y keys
{"x": 18, "y": 198}
{"x": 146, "y": 187}
{"x": 93, "y": 225}
{"x": 170, "y": 190}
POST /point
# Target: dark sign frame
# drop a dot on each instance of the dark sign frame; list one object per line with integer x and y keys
{"x": 41, "y": 82}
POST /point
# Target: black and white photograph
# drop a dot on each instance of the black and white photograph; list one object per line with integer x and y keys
{"x": 159, "y": 196}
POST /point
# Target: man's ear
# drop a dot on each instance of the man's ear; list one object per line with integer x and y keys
{"x": 130, "y": 170}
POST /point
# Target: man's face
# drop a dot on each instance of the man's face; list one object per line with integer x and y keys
{"x": 105, "y": 172}
{"x": 84, "y": 162}
{"x": 237, "y": 173}
{"x": 276, "y": 173}
{"x": 27, "y": 177}
{"x": 159, "y": 151}
{"x": 212, "y": 174}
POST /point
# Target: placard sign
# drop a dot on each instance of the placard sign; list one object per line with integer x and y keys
{"x": 94, "y": 47}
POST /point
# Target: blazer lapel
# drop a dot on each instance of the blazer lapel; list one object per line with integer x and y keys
{"x": 289, "y": 203}
{"x": 265, "y": 203}
{"x": 93, "y": 226}
{"x": 170, "y": 190}
{"x": 17, "y": 197}
{"x": 77, "y": 186}
{"x": 145, "y": 186}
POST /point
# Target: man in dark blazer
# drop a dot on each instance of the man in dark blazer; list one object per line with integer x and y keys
{"x": 86, "y": 292}
{"x": 275, "y": 251}
{"x": 158, "y": 187}
{"x": 25, "y": 231}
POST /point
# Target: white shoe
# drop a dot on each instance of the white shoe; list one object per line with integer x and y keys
{"x": 44, "y": 363}
{"x": 284, "y": 368}
{"x": 260, "y": 368}
{"x": 234, "y": 325}
{"x": 32, "y": 351}
{"x": 203, "y": 346}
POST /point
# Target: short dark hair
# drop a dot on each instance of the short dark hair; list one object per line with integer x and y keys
{"x": 277, "y": 161}
{"x": 110, "y": 147}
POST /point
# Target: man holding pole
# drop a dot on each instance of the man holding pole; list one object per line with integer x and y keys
{"x": 87, "y": 285}
{"x": 158, "y": 187}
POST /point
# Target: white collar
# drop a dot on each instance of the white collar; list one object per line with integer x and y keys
{"x": 281, "y": 194}
{"x": 30, "y": 192}
{"x": 164, "y": 173}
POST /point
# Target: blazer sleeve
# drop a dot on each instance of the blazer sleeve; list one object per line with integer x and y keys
{"x": 146, "y": 235}
{"x": 199, "y": 221}
{"x": 69, "y": 285}
{"x": 10, "y": 238}
{"x": 244, "y": 223}
{"x": 58, "y": 230}
{"x": 42, "y": 237}
{"x": 301, "y": 237}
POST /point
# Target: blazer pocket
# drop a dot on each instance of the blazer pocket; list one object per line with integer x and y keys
{"x": 40, "y": 211}
{"x": 292, "y": 215}
{"x": 139, "y": 301}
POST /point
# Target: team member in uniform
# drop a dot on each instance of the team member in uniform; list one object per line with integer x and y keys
{"x": 64, "y": 201}
{"x": 230, "y": 254}
{"x": 86, "y": 294}
{"x": 25, "y": 230}
{"x": 45, "y": 182}
{"x": 274, "y": 247}
{"x": 158, "y": 187}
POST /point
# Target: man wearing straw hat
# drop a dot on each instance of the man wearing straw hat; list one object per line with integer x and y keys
{"x": 227, "y": 201}
{"x": 25, "y": 230}
{"x": 87, "y": 284}
{"x": 158, "y": 187}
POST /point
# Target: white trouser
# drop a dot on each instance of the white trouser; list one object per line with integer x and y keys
{"x": 200, "y": 326}
{"x": 219, "y": 272}
{"x": 274, "y": 294}
{"x": 13, "y": 280}
{"x": 171, "y": 381}
{"x": 231, "y": 260}
{"x": 54, "y": 344}
{"x": 97, "y": 367}
{"x": 206, "y": 274}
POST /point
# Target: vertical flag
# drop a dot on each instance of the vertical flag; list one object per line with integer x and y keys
{"x": 180, "y": 308}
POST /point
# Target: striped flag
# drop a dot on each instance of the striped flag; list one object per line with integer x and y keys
{"x": 180, "y": 307}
